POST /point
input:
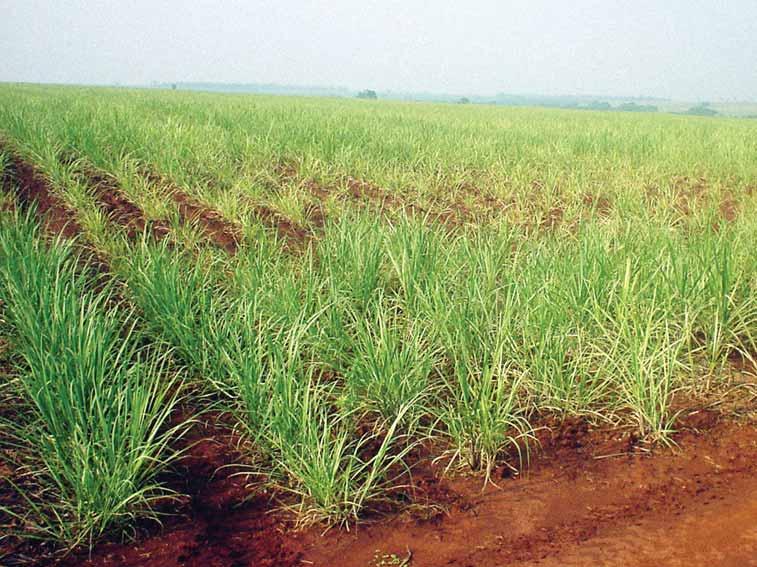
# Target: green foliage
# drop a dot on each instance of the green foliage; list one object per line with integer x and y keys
{"x": 478, "y": 268}
{"x": 391, "y": 366}
{"x": 702, "y": 109}
{"x": 100, "y": 402}
{"x": 633, "y": 107}
{"x": 367, "y": 94}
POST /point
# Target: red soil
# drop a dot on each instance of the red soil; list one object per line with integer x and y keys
{"x": 56, "y": 218}
{"x": 223, "y": 233}
{"x": 688, "y": 506}
{"x": 119, "y": 208}
{"x": 484, "y": 204}
{"x": 599, "y": 203}
{"x": 589, "y": 497}
{"x": 292, "y": 233}
{"x": 32, "y": 189}
{"x": 359, "y": 189}
{"x": 316, "y": 215}
{"x": 552, "y": 219}
{"x": 729, "y": 208}
{"x": 317, "y": 190}
{"x": 225, "y": 522}
{"x": 364, "y": 193}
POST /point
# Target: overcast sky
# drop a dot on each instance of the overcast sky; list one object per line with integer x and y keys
{"x": 682, "y": 49}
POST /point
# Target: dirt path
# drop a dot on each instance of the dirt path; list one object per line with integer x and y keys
{"x": 695, "y": 505}
{"x": 718, "y": 530}
{"x": 692, "y": 505}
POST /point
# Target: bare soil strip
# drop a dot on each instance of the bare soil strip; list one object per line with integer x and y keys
{"x": 56, "y": 218}
{"x": 315, "y": 213}
{"x": 206, "y": 529}
{"x": 449, "y": 213}
{"x": 226, "y": 521}
{"x": 118, "y": 207}
{"x": 226, "y": 234}
{"x": 369, "y": 195}
{"x": 32, "y": 190}
{"x": 447, "y": 210}
{"x": 366, "y": 194}
{"x": 291, "y": 232}
{"x": 590, "y": 497}
{"x": 223, "y": 233}
{"x": 687, "y": 506}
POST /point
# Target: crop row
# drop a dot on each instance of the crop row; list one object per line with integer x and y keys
{"x": 338, "y": 364}
{"x": 381, "y": 342}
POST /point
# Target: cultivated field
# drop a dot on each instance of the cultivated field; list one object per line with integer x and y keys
{"x": 449, "y": 335}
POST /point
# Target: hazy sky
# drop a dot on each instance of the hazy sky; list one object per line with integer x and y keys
{"x": 683, "y": 49}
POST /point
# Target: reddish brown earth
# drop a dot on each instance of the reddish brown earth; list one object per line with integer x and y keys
{"x": 291, "y": 232}
{"x": 365, "y": 194}
{"x": 8, "y": 206}
{"x": 359, "y": 189}
{"x": 225, "y": 521}
{"x": 223, "y": 233}
{"x": 362, "y": 191}
{"x": 316, "y": 215}
{"x": 119, "y": 208}
{"x": 57, "y": 219}
{"x": 692, "y": 194}
{"x": 552, "y": 218}
{"x": 445, "y": 215}
{"x": 32, "y": 189}
{"x": 589, "y": 497}
{"x": 729, "y": 208}
{"x": 9, "y": 470}
{"x": 445, "y": 211}
{"x": 694, "y": 505}
{"x": 485, "y": 206}
{"x": 601, "y": 204}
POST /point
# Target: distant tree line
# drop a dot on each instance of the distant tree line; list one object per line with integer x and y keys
{"x": 633, "y": 107}
{"x": 577, "y": 102}
{"x": 702, "y": 109}
{"x": 623, "y": 107}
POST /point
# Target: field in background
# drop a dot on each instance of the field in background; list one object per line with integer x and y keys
{"x": 580, "y": 102}
{"x": 351, "y": 301}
